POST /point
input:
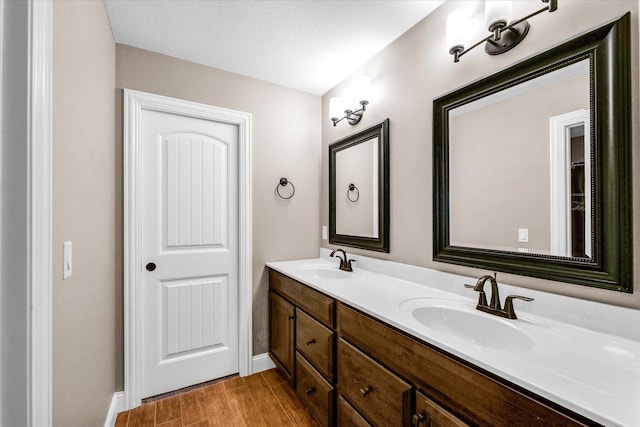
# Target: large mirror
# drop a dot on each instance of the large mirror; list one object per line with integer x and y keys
{"x": 532, "y": 165}
{"x": 359, "y": 189}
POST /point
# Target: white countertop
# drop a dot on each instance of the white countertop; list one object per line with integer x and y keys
{"x": 593, "y": 373}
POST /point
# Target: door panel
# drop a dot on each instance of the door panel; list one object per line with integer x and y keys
{"x": 194, "y": 316}
{"x": 194, "y": 176}
{"x": 189, "y": 205}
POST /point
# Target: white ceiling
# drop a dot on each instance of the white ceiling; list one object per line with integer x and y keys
{"x": 310, "y": 45}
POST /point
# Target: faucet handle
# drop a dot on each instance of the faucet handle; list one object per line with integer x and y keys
{"x": 349, "y": 267}
{"x": 482, "y": 297}
{"x": 508, "y": 305}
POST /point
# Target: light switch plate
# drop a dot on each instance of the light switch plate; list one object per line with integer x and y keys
{"x": 325, "y": 232}
{"x": 523, "y": 234}
{"x": 67, "y": 267}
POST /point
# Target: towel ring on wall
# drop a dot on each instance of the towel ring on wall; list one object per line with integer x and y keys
{"x": 352, "y": 187}
{"x": 283, "y": 183}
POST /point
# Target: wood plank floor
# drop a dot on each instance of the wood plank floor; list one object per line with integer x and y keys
{"x": 262, "y": 399}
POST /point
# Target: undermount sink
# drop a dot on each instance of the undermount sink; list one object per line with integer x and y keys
{"x": 461, "y": 320}
{"x": 322, "y": 272}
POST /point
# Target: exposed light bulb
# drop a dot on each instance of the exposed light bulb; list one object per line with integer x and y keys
{"x": 497, "y": 12}
{"x": 336, "y": 109}
{"x": 362, "y": 89}
{"x": 456, "y": 26}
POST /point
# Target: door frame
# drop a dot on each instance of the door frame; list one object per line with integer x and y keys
{"x": 31, "y": 51}
{"x": 134, "y": 103}
{"x": 560, "y": 180}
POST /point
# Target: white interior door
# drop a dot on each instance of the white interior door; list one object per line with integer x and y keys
{"x": 189, "y": 235}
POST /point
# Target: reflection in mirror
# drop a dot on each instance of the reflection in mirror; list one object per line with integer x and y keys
{"x": 519, "y": 185}
{"x": 357, "y": 189}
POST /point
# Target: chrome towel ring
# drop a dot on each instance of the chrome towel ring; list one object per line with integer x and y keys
{"x": 352, "y": 187}
{"x": 283, "y": 183}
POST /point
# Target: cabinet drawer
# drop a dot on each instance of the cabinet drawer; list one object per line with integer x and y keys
{"x": 348, "y": 416}
{"x": 471, "y": 394}
{"x": 429, "y": 413}
{"x": 382, "y": 397}
{"x": 319, "y": 305}
{"x": 316, "y": 393}
{"x": 315, "y": 342}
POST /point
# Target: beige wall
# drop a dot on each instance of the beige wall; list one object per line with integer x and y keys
{"x": 286, "y": 143}
{"x": 84, "y": 184}
{"x": 416, "y": 68}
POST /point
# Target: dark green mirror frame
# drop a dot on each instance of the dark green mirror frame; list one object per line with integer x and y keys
{"x": 381, "y": 242}
{"x": 610, "y": 266}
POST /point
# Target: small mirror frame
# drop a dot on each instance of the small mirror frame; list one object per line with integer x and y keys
{"x": 610, "y": 267}
{"x": 380, "y": 243}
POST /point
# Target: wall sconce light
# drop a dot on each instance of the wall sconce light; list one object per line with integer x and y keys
{"x": 504, "y": 35}
{"x": 354, "y": 96}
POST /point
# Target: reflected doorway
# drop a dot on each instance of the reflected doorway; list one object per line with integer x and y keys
{"x": 570, "y": 150}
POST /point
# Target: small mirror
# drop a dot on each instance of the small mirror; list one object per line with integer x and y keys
{"x": 359, "y": 189}
{"x": 532, "y": 165}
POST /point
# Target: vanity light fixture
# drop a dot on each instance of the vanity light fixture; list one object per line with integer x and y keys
{"x": 504, "y": 35}
{"x": 354, "y": 96}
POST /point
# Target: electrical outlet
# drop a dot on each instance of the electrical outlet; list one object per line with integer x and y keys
{"x": 325, "y": 232}
{"x": 523, "y": 235}
{"x": 67, "y": 267}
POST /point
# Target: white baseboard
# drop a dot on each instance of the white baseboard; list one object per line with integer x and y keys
{"x": 117, "y": 405}
{"x": 262, "y": 362}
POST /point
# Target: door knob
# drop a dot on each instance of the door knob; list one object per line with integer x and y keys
{"x": 151, "y": 266}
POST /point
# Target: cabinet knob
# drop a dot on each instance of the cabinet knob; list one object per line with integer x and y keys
{"x": 151, "y": 266}
{"x": 310, "y": 390}
{"x": 417, "y": 419}
{"x": 311, "y": 341}
{"x": 365, "y": 391}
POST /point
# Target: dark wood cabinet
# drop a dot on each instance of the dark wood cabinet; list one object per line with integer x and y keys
{"x": 309, "y": 343}
{"x": 473, "y": 395}
{"x": 350, "y": 369}
{"x": 281, "y": 327}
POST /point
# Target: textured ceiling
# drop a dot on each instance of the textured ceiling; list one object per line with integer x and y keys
{"x": 310, "y": 45}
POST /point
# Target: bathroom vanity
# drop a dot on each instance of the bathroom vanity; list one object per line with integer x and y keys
{"x": 355, "y": 356}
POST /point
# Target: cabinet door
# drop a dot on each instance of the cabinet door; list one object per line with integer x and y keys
{"x": 430, "y": 414}
{"x": 281, "y": 324}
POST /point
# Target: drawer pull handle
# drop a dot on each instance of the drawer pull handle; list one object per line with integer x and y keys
{"x": 365, "y": 391}
{"x": 310, "y": 391}
{"x": 417, "y": 419}
{"x": 311, "y": 341}
{"x": 290, "y": 317}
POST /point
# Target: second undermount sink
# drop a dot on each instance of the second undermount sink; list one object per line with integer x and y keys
{"x": 461, "y": 320}
{"x": 323, "y": 272}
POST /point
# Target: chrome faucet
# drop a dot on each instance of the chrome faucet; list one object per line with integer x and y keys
{"x": 494, "y": 306}
{"x": 345, "y": 263}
